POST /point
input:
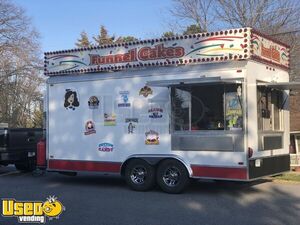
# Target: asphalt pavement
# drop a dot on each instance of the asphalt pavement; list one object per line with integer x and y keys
{"x": 94, "y": 199}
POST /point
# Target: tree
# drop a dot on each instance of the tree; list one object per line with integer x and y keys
{"x": 125, "y": 39}
{"x": 192, "y": 29}
{"x": 274, "y": 18}
{"x": 198, "y": 12}
{"x": 83, "y": 41}
{"x": 103, "y": 38}
{"x": 20, "y": 66}
{"x": 168, "y": 34}
{"x": 266, "y": 15}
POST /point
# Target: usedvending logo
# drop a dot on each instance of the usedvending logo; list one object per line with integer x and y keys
{"x": 89, "y": 128}
{"x": 145, "y": 91}
{"x": 124, "y": 98}
{"x": 93, "y": 102}
{"x": 155, "y": 113}
{"x": 32, "y": 211}
{"x": 106, "y": 147}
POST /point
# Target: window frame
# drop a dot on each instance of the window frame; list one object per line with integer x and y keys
{"x": 260, "y": 123}
{"x": 238, "y": 81}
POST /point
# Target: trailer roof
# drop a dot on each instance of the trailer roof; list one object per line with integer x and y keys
{"x": 213, "y": 47}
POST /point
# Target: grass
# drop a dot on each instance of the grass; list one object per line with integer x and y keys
{"x": 290, "y": 176}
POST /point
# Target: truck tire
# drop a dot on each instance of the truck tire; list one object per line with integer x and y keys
{"x": 139, "y": 175}
{"x": 172, "y": 176}
{"x": 26, "y": 166}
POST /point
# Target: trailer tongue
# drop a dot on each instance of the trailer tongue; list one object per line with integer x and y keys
{"x": 211, "y": 105}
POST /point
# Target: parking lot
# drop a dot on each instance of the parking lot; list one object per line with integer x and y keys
{"x": 98, "y": 199}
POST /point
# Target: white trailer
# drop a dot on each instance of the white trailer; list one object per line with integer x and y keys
{"x": 210, "y": 105}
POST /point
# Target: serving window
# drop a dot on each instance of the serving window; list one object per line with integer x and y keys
{"x": 270, "y": 103}
{"x": 207, "y": 107}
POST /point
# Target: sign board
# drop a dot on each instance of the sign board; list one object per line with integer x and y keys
{"x": 268, "y": 50}
{"x": 229, "y": 45}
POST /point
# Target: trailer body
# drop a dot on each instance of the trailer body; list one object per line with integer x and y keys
{"x": 221, "y": 113}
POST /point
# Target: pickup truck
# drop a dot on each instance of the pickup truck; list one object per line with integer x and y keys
{"x": 18, "y": 146}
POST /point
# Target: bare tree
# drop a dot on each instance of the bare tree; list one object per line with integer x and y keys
{"x": 267, "y": 15}
{"x": 20, "y": 66}
{"x": 275, "y": 18}
{"x": 198, "y": 12}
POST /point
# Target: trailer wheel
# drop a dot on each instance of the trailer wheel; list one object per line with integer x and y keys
{"x": 172, "y": 176}
{"x": 140, "y": 175}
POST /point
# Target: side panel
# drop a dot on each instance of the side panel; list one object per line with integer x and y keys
{"x": 72, "y": 147}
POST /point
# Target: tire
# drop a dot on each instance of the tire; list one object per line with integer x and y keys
{"x": 172, "y": 176}
{"x": 139, "y": 175}
{"x": 26, "y": 166}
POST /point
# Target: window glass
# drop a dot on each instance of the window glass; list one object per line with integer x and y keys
{"x": 269, "y": 105}
{"x": 298, "y": 143}
{"x": 181, "y": 108}
{"x": 2, "y": 138}
{"x": 233, "y": 107}
{"x": 207, "y": 107}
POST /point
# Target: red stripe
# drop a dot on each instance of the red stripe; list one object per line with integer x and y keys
{"x": 114, "y": 167}
{"x": 220, "y": 172}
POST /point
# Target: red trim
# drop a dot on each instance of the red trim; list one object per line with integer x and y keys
{"x": 113, "y": 167}
{"x": 220, "y": 172}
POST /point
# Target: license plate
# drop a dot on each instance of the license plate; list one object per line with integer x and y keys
{"x": 257, "y": 162}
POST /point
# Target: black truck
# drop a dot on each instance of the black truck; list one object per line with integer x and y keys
{"x": 18, "y": 146}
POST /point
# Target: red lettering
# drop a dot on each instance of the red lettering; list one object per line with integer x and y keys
{"x": 170, "y": 52}
{"x": 270, "y": 53}
{"x": 160, "y": 52}
{"x": 130, "y": 56}
{"x": 179, "y": 52}
{"x": 143, "y": 53}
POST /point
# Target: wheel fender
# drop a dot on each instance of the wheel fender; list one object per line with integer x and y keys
{"x": 154, "y": 160}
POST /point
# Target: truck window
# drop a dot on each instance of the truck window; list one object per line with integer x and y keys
{"x": 269, "y": 107}
{"x": 2, "y": 138}
{"x": 207, "y": 107}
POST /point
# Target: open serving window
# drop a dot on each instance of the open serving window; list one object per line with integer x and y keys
{"x": 209, "y": 106}
{"x": 271, "y": 100}
{"x": 205, "y": 103}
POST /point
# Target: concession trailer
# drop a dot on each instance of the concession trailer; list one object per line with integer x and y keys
{"x": 208, "y": 105}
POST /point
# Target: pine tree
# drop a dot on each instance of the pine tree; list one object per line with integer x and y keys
{"x": 168, "y": 34}
{"x": 83, "y": 41}
{"x": 103, "y": 38}
{"x": 193, "y": 29}
{"x": 125, "y": 39}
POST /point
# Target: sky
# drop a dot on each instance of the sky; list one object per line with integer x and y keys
{"x": 60, "y": 22}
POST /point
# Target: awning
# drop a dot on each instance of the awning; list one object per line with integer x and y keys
{"x": 282, "y": 85}
{"x": 192, "y": 81}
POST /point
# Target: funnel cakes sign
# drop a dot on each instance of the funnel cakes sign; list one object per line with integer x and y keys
{"x": 228, "y": 45}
